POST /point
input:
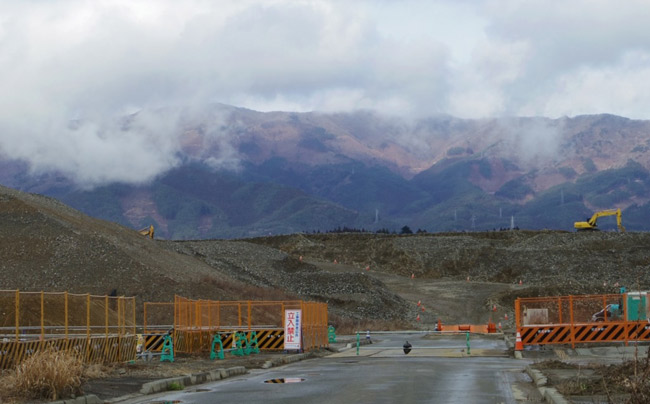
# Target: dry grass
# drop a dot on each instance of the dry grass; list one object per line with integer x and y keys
{"x": 47, "y": 375}
{"x": 96, "y": 371}
{"x": 631, "y": 377}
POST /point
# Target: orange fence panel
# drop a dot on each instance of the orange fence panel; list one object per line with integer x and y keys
{"x": 197, "y": 321}
{"x": 579, "y": 319}
{"x": 103, "y": 328}
{"x": 96, "y": 328}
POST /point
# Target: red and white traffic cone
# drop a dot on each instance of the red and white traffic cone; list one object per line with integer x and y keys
{"x": 519, "y": 346}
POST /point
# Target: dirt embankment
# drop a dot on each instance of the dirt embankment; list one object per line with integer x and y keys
{"x": 48, "y": 246}
{"x": 546, "y": 263}
{"x": 582, "y": 261}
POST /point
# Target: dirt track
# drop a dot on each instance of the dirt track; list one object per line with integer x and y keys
{"x": 451, "y": 301}
{"x": 48, "y": 246}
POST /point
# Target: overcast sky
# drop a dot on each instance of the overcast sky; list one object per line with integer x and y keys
{"x": 95, "y": 60}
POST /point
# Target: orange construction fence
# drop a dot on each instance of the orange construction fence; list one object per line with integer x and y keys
{"x": 96, "y": 328}
{"x": 583, "y": 319}
{"x": 102, "y": 329}
{"x": 195, "y": 322}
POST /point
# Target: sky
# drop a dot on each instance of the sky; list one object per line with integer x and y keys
{"x": 71, "y": 69}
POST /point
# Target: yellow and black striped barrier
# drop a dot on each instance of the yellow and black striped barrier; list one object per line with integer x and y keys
{"x": 97, "y": 349}
{"x": 270, "y": 339}
{"x": 154, "y": 342}
{"x": 201, "y": 341}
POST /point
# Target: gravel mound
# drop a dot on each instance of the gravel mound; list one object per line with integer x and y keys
{"x": 48, "y": 246}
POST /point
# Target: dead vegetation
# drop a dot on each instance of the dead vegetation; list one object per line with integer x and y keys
{"x": 622, "y": 383}
{"x": 631, "y": 378}
{"x": 48, "y": 375}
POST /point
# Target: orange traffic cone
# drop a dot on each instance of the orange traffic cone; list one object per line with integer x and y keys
{"x": 519, "y": 346}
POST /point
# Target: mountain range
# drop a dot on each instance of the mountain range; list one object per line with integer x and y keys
{"x": 250, "y": 173}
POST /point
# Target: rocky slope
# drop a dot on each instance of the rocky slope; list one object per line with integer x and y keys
{"x": 45, "y": 245}
{"x": 571, "y": 263}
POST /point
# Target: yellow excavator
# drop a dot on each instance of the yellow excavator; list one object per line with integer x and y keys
{"x": 147, "y": 231}
{"x": 590, "y": 224}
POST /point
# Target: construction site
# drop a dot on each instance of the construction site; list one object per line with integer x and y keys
{"x": 113, "y": 294}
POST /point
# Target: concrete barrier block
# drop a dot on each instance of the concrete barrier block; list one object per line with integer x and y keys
{"x": 235, "y": 371}
{"x": 93, "y": 399}
{"x": 215, "y": 375}
{"x": 199, "y": 378}
{"x": 553, "y": 396}
{"x": 538, "y": 377}
{"x": 148, "y": 388}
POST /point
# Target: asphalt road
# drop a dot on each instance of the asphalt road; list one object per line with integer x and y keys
{"x": 437, "y": 370}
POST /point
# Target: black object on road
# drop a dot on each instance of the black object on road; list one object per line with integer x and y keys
{"x": 407, "y": 347}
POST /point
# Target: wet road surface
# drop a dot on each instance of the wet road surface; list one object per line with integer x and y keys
{"x": 437, "y": 370}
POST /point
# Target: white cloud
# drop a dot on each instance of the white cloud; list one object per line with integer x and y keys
{"x": 96, "y": 61}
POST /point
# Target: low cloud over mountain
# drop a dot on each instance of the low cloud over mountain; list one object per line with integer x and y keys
{"x": 232, "y": 172}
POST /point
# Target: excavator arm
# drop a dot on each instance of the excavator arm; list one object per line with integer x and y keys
{"x": 591, "y": 224}
{"x": 147, "y": 231}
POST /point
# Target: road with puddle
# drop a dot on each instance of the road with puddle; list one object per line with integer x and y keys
{"x": 437, "y": 370}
